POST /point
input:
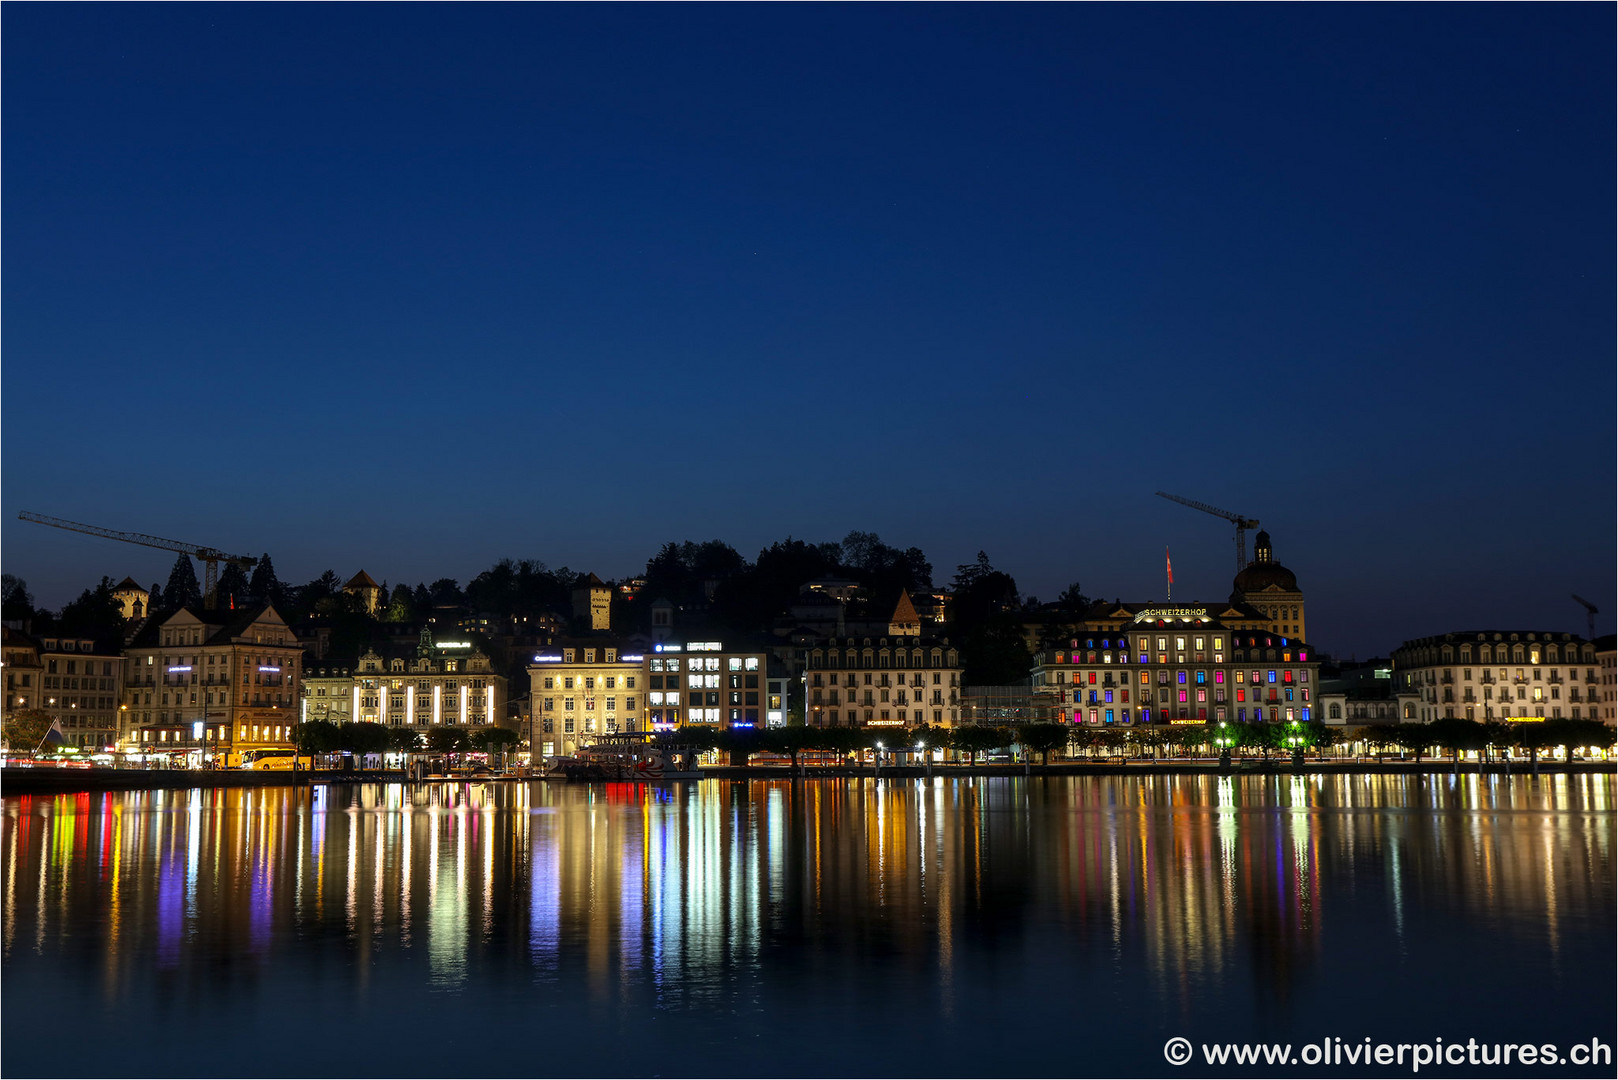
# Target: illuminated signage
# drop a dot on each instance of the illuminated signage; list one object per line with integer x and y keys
{"x": 454, "y": 645}
{"x": 883, "y": 723}
{"x": 274, "y": 669}
{"x": 182, "y": 667}
{"x": 704, "y": 646}
{"x": 1190, "y": 721}
{"x": 1525, "y": 719}
{"x": 1153, "y": 614}
{"x": 632, "y": 658}
{"x": 196, "y": 730}
{"x": 667, "y": 648}
{"x": 547, "y": 659}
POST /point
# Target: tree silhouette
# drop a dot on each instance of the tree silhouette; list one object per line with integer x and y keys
{"x": 182, "y": 589}
{"x": 264, "y": 585}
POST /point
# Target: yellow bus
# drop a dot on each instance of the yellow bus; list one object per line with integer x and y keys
{"x": 270, "y": 759}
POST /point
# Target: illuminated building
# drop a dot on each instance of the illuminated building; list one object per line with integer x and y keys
{"x": 1607, "y": 660}
{"x": 1270, "y": 588}
{"x": 436, "y": 684}
{"x": 583, "y": 688}
{"x": 898, "y": 680}
{"x": 586, "y": 687}
{"x": 703, "y": 682}
{"x": 132, "y": 598}
{"x": 1184, "y": 665}
{"x": 592, "y": 603}
{"x": 328, "y": 692}
{"x": 1515, "y": 675}
{"x": 227, "y": 679}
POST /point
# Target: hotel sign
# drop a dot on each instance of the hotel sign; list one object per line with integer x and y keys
{"x": 1152, "y": 614}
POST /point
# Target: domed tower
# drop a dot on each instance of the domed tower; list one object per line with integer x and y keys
{"x": 1273, "y": 589}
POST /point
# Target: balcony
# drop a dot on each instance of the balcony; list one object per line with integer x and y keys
{"x": 1446, "y": 679}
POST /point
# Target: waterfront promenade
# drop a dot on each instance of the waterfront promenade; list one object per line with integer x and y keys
{"x": 26, "y": 781}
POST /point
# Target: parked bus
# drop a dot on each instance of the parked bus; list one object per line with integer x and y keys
{"x": 270, "y": 758}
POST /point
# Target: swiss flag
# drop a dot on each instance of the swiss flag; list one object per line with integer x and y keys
{"x": 1170, "y": 564}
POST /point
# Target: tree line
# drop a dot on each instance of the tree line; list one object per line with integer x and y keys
{"x": 745, "y": 597}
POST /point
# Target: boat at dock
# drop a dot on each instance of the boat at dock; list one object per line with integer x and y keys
{"x": 627, "y": 757}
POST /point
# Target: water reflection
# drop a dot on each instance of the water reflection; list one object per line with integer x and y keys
{"x": 1180, "y": 891}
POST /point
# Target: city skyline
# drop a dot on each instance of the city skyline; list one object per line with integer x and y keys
{"x": 416, "y": 289}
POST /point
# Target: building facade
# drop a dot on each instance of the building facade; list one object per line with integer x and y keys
{"x": 1607, "y": 663}
{"x": 581, "y": 689}
{"x": 212, "y": 680}
{"x": 435, "y": 684}
{"x": 25, "y": 671}
{"x": 328, "y": 691}
{"x": 894, "y": 681}
{"x": 82, "y": 689}
{"x": 1512, "y": 675}
{"x": 1181, "y": 665}
{"x": 1271, "y": 589}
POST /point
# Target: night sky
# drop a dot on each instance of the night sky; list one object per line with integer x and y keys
{"x": 414, "y": 288}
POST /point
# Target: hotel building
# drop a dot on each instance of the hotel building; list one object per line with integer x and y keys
{"x": 1513, "y": 675}
{"x": 1180, "y": 665}
{"x": 217, "y": 677}
{"x": 588, "y": 687}
{"x": 436, "y": 684}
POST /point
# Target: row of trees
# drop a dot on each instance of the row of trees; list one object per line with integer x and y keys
{"x": 324, "y": 737}
{"x": 1454, "y": 736}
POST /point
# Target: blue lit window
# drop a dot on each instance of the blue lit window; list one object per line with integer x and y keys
{"x": 1272, "y": 676}
{"x": 1109, "y": 716}
{"x": 1109, "y": 696}
{"x": 1306, "y": 714}
{"x": 1182, "y": 678}
{"x": 1202, "y": 677}
{"x": 1146, "y": 716}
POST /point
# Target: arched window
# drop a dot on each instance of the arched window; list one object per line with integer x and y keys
{"x": 1336, "y": 711}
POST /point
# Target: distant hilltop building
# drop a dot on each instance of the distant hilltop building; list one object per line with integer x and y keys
{"x": 134, "y": 600}
{"x": 368, "y": 591}
{"x": 592, "y": 603}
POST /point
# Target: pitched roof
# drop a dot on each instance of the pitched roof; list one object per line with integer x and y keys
{"x": 129, "y": 583}
{"x": 362, "y": 580}
{"x": 905, "y": 612}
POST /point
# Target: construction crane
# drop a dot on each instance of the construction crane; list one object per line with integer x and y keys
{"x": 1591, "y": 612}
{"x": 1242, "y": 524}
{"x": 211, "y": 557}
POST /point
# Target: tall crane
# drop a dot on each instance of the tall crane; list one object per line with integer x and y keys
{"x": 1242, "y": 524}
{"x": 211, "y": 557}
{"x": 1591, "y": 612}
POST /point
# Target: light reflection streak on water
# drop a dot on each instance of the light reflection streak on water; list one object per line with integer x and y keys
{"x": 688, "y": 892}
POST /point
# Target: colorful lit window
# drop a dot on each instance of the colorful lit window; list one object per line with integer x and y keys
{"x": 1219, "y": 676}
{"x": 1109, "y": 716}
{"x": 1092, "y": 678}
{"x": 1109, "y": 697}
{"x": 1202, "y": 677}
{"x": 1286, "y": 676}
{"x": 1182, "y": 697}
{"x": 1182, "y": 678}
{"x": 1272, "y": 676}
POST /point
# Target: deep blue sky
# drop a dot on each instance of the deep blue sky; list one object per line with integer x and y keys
{"x": 412, "y": 288}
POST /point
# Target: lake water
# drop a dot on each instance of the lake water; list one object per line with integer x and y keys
{"x": 1043, "y": 926}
